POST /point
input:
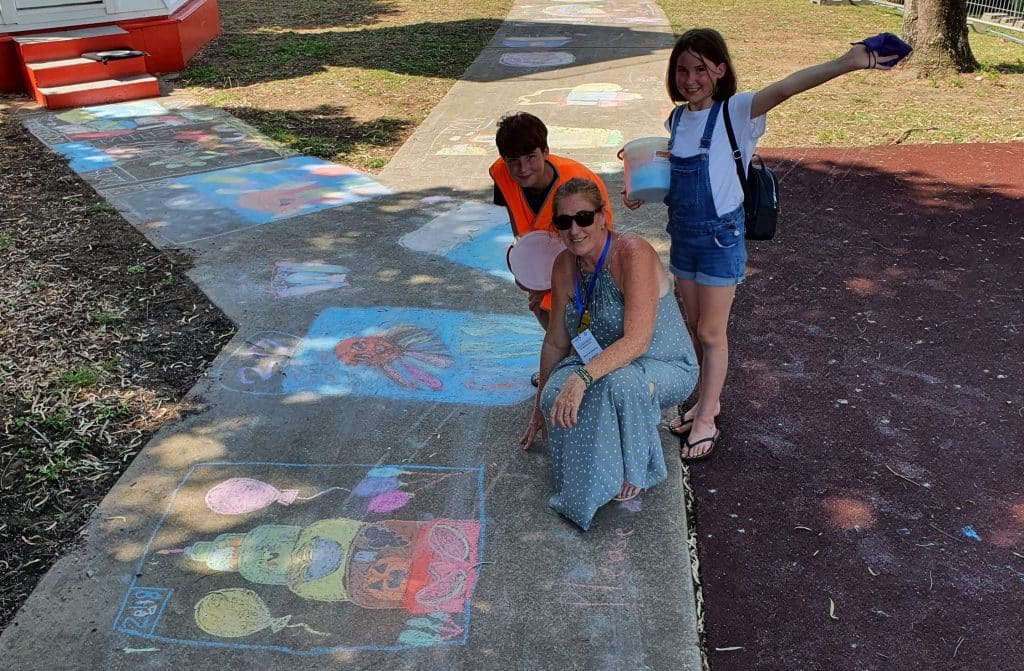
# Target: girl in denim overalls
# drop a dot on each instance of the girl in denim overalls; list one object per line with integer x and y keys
{"x": 705, "y": 200}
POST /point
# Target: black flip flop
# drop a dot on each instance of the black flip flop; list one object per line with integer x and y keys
{"x": 686, "y": 423}
{"x": 689, "y": 447}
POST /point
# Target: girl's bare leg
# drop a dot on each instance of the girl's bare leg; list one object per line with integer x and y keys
{"x": 715, "y": 304}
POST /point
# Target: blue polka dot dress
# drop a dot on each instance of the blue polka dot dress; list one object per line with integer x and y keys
{"x": 616, "y": 434}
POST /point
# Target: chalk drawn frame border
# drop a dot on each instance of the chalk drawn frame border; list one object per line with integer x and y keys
{"x": 314, "y": 651}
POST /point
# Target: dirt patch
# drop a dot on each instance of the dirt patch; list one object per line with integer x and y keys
{"x": 866, "y": 509}
{"x": 101, "y": 336}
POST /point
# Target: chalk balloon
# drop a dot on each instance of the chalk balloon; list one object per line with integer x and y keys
{"x": 234, "y": 613}
{"x": 237, "y": 496}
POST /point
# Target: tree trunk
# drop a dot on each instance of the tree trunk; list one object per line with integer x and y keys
{"x": 937, "y": 29}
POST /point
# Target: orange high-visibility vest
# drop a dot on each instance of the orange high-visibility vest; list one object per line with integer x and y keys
{"x": 523, "y": 219}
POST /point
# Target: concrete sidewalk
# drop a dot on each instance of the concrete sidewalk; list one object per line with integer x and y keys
{"x": 351, "y": 493}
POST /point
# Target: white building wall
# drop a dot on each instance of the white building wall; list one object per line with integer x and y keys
{"x": 28, "y": 15}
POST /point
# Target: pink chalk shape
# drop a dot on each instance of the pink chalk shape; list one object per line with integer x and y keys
{"x": 388, "y": 502}
{"x": 237, "y": 496}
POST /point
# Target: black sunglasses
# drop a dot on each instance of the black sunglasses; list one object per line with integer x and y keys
{"x": 583, "y": 218}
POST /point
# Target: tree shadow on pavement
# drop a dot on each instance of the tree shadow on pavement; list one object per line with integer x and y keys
{"x": 426, "y": 49}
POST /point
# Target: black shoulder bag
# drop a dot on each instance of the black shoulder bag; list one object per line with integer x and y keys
{"x": 760, "y": 190}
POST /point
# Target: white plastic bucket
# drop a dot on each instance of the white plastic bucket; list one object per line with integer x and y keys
{"x": 647, "y": 169}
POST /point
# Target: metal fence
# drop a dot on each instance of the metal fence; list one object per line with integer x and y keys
{"x": 1006, "y": 14}
{"x": 1001, "y": 17}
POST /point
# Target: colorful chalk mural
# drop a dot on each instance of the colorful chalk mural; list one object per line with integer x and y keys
{"x": 290, "y": 280}
{"x": 289, "y": 187}
{"x": 475, "y": 137}
{"x": 597, "y": 94}
{"x": 311, "y": 559}
{"x": 400, "y": 353}
{"x": 126, "y": 143}
{"x": 190, "y": 172}
{"x": 476, "y": 235}
{"x": 195, "y": 207}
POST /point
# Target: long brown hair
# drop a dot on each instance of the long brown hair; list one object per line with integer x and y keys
{"x": 709, "y": 45}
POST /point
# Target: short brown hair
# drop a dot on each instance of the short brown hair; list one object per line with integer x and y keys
{"x": 519, "y": 134}
{"x": 709, "y": 45}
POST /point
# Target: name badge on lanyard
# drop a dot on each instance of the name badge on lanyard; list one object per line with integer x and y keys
{"x": 586, "y": 346}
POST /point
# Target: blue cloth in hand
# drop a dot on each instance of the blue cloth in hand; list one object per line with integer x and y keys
{"x": 887, "y": 44}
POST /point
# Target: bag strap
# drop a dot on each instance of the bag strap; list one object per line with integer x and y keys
{"x": 673, "y": 123}
{"x": 737, "y": 155}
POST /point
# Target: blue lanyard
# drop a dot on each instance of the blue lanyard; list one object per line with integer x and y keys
{"x": 580, "y": 305}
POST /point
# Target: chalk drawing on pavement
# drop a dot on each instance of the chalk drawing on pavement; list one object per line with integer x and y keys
{"x": 466, "y": 141}
{"x": 329, "y": 570}
{"x": 597, "y": 94}
{"x": 536, "y": 59}
{"x": 583, "y": 138}
{"x": 576, "y": 10}
{"x": 606, "y": 167}
{"x": 460, "y": 137}
{"x": 196, "y": 207}
{"x": 536, "y": 41}
{"x": 274, "y": 190}
{"x": 581, "y": 12}
{"x": 256, "y": 366}
{"x": 407, "y": 355}
{"x": 401, "y": 353}
{"x": 290, "y": 279}
{"x": 112, "y": 145}
{"x": 606, "y": 584}
{"x": 473, "y": 234}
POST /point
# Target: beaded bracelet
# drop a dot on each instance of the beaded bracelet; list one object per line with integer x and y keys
{"x": 585, "y": 376}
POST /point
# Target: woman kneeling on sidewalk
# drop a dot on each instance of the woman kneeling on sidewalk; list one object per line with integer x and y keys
{"x": 619, "y": 354}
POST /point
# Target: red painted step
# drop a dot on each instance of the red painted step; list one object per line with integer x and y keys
{"x": 71, "y": 43}
{"x": 47, "y": 74}
{"x": 99, "y": 92}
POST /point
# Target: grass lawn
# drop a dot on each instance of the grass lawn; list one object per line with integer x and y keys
{"x": 771, "y": 38}
{"x": 347, "y": 81}
{"x": 350, "y": 81}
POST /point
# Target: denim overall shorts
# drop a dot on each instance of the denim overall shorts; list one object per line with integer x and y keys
{"x": 706, "y": 248}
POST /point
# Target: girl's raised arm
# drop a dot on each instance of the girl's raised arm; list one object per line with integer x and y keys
{"x": 857, "y": 58}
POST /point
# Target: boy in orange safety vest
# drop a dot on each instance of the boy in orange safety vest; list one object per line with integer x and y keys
{"x": 525, "y": 177}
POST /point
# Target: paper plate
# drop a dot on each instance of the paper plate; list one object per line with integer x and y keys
{"x": 531, "y": 257}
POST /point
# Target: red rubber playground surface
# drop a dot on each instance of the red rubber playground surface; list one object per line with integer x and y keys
{"x": 865, "y": 508}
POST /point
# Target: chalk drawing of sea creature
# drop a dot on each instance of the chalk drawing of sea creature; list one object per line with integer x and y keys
{"x": 399, "y": 353}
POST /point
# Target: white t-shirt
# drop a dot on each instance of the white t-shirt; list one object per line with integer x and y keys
{"x": 725, "y": 186}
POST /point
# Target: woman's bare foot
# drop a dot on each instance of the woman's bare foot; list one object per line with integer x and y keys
{"x": 627, "y": 493}
{"x": 682, "y": 423}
